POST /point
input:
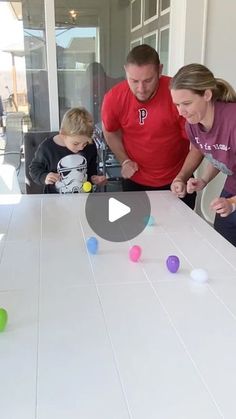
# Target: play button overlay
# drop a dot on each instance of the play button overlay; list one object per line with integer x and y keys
{"x": 117, "y": 210}
{"x": 118, "y": 216}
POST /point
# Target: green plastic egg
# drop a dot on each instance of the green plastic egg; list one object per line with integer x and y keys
{"x": 3, "y": 319}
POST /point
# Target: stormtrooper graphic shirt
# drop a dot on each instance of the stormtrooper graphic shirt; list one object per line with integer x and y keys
{"x": 74, "y": 169}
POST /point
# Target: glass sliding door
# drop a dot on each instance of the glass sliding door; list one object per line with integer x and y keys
{"x": 87, "y": 41}
{"x": 36, "y": 63}
{"x": 76, "y": 51}
{"x": 13, "y": 91}
{"x": 92, "y": 40}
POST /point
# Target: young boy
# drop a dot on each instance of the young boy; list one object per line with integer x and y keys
{"x": 64, "y": 162}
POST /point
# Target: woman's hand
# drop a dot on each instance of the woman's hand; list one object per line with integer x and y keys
{"x": 99, "y": 180}
{"x": 52, "y": 178}
{"x": 222, "y": 206}
{"x": 195, "y": 185}
{"x": 178, "y": 187}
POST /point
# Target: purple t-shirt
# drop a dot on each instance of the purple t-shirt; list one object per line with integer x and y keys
{"x": 219, "y": 144}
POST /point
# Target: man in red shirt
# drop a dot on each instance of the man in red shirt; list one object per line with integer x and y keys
{"x": 142, "y": 126}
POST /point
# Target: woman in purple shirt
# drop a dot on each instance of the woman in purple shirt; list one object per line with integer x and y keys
{"x": 209, "y": 107}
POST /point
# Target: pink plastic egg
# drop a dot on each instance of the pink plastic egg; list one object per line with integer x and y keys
{"x": 135, "y": 253}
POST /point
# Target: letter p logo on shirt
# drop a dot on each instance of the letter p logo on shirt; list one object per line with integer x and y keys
{"x": 142, "y": 115}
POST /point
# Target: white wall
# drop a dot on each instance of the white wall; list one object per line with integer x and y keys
{"x": 177, "y": 35}
{"x": 196, "y": 15}
{"x": 221, "y": 39}
{"x": 187, "y": 32}
{"x": 204, "y": 31}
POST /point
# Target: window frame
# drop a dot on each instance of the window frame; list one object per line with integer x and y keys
{"x": 162, "y": 29}
{"x": 152, "y": 18}
{"x": 164, "y": 11}
{"x": 150, "y": 34}
{"x": 132, "y": 29}
{"x": 135, "y": 41}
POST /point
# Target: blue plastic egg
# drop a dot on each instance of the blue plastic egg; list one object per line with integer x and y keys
{"x": 92, "y": 245}
{"x": 151, "y": 221}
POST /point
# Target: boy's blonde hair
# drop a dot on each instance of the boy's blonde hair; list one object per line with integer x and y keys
{"x": 77, "y": 121}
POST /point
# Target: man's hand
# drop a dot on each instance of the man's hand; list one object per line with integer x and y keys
{"x": 222, "y": 206}
{"x": 52, "y": 178}
{"x": 128, "y": 168}
{"x": 178, "y": 187}
{"x": 99, "y": 180}
{"x": 195, "y": 185}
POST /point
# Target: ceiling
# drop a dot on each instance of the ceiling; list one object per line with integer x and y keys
{"x": 67, "y": 12}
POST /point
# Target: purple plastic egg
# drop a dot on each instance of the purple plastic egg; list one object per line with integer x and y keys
{"x": 172, "y": 264}
{"x": 135, "y": 253}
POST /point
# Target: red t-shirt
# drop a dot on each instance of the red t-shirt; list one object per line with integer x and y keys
{"x": 153, "y": 132}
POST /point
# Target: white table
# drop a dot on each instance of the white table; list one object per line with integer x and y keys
{"x": 101, "y": 337}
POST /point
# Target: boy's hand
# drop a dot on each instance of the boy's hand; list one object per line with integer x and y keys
{"x": 99, "y": 180}
{"x": 52, "y": 178}
{"x": 221, "y": 206}
{"x": 178, "y": 187}
{"x": 195, "y": 185}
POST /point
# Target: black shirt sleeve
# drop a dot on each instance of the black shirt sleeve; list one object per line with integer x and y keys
{"x": 41, "y": 164}
{"x": 90, "y": 153}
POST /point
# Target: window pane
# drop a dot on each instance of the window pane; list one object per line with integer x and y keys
{"x": 164, "y": 49}
{"x": 151, "y": 40}
{"x": 135, "y": 43}
{"x": 13, "y": 89}
{"x": 150, "y": 9}
{"x": 89, "y": 61}
{"x": 165, "y": 4}
{"x": 76, "y": 49}
{"x": 36, "y": 64}
{"x": 135, "y": 13}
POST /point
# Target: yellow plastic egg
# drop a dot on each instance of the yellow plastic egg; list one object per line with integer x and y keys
{"x": 87, "y": 186}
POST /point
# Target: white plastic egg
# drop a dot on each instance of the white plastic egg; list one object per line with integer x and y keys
{"x": 199, "y": 275}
